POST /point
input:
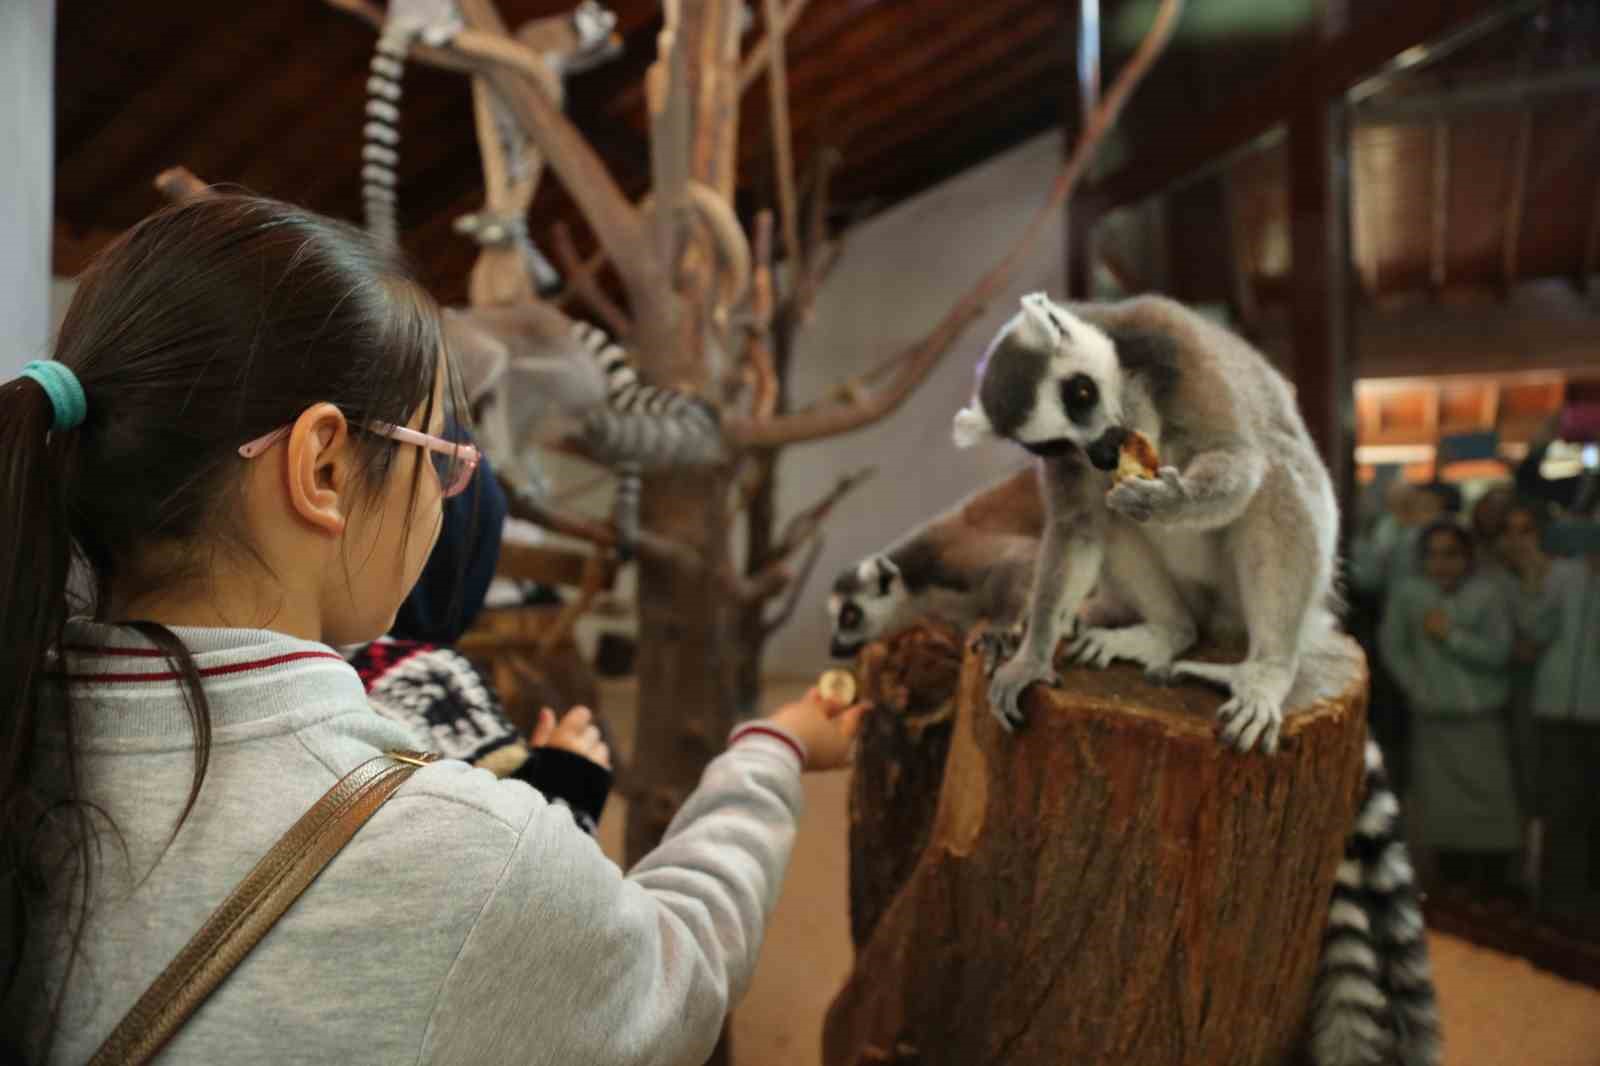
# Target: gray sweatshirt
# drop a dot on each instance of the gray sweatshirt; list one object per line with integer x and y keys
{"x": 469, "y": 921}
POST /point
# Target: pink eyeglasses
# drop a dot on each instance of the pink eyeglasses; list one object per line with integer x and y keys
{"x": 453, "y": 463}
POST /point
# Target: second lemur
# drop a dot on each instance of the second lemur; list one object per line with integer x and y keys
{"x": 1237, "y": 530}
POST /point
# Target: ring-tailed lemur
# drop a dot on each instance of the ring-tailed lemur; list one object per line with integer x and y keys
{"x": 1238, "y": 527}
{"x": 549, "y": 375}
{"x": 1374, "y": 1002}
{"x": 973, "y": 562}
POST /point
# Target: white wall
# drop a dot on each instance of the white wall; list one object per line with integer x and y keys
{"x": 900, "y": 273}
{"x": 27, "y": 115}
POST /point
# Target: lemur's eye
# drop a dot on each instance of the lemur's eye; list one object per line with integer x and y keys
{"x": 1078, "y": 394}
{"x": 850, "y": 616}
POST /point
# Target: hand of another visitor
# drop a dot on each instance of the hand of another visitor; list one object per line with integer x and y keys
{"x": 576, "y": 733}
{"x": 1436, "y": 623}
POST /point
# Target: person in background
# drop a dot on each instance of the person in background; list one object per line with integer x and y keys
{"x": 1379, "y": 562}
{"x": 1526, "y": 565}
{"x": 1488, "y": 522}
{"x": 1446, "y": 637}
{"x": 1561, "y": 615}
{"x": 414, "y": 675}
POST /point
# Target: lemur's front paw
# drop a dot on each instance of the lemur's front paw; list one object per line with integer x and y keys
{"x": 997, "y": 646}
{"x": 1244, "y": 720}
{"x": 1142, "y": 499}
{"x": 1142, "y": 644}
{"x": 1010, "y": 682}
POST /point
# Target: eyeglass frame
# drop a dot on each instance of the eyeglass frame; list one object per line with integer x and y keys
{"x": 466, "y": 454}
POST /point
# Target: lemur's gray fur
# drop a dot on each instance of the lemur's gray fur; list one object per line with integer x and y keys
{"x": 1238, "y": 529}
{"x": 972, "y": 562}
{"x": 931, "y": 575}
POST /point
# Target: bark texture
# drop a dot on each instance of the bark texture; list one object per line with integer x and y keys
{"x": 1109, "y": 885}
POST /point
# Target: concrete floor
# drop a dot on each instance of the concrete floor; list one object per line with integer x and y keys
{"x": 1497, "y": 1009}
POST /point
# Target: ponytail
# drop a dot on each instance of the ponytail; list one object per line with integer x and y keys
{"x": 35, "y": 559}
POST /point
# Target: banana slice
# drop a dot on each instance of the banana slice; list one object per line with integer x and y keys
{"x": 838, "y": 687}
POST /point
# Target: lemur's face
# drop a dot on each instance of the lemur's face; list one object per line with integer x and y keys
{"x": 1050, "y": 382}
{"x": 864, "y": 600}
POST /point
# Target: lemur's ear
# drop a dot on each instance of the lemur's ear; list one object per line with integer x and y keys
{"x": 887, "y": 574}
{"x": 971, "y": 426}
{"x": 1040, "y": 327}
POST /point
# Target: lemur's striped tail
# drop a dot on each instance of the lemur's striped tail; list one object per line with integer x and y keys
{"x": 380, "y": 155}
{"x": 1374, "y": 1003}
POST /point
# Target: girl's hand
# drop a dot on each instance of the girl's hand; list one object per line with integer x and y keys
{"x": 576, "y": 733}
{"x": 828, "y": 731}
{"x": 1436, "y": 623}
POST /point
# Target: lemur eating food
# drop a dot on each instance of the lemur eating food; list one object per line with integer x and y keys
{"x": 1374, "y": 1002}
{"x": 1237, "y": 529}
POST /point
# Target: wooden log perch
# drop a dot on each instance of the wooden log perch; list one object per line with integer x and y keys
{"x": 1108, "y": 885}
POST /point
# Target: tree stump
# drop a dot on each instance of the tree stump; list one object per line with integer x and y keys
{"x": 1108, "y": 885}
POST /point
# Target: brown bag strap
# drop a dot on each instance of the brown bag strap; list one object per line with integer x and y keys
{"x": 236, "y": 926}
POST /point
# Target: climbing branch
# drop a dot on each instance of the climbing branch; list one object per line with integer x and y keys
{"x": 583, "y": 283}
{"x": 863, "y": 406}
{"x": 782, "y": 143}
{"x": 808, "y": 523}
{"x": 796, "y": 587}
{"x": 756, "y": 61}
{"x": 758, "y": 345}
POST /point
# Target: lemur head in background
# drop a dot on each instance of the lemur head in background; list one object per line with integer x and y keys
{"x": 1050, "y": 382}
{"x": 864, "y": 600}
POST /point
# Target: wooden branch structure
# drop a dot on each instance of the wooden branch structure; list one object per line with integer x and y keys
{"x": 1108, "y": 885}
{"x": 864, "y": 407}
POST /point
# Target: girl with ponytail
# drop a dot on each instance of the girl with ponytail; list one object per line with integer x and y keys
{"x": 233, "y": 464}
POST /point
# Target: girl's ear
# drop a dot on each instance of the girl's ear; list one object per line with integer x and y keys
{"x": 320, "y": 464}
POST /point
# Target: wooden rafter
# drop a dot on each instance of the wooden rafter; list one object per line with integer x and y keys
{"x": 1438, "y": 266}
{"x": 1591, "y": 245}
{"x": 1516, "y": 201}
{"x": 1322, "y": 70}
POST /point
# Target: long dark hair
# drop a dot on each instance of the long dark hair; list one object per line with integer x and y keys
{"x": 206, "y": 325}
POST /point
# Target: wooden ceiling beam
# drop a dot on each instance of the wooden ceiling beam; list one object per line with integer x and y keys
{"x": 1507, "y": 94}
{"x": 1314, "y": 73}
{"x": 1516, "y": 202}
{"x": 904, "y": 159}
{"x": 1439, "y": 199}
{"x": 128, "y": 152}
{"x": 1591, "y": 246}
{"x": 972, "y": 46}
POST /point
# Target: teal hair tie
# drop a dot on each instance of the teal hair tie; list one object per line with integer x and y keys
{"x": 66, "y": 394}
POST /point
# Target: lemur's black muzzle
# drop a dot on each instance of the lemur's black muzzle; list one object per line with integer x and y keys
{"x": 1103, "y": 452}
{"x": 840, "y": 649}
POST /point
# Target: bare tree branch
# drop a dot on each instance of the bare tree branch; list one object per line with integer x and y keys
{"x": 522, "y": 504}
{"x": 758, "y": 349}
{"x": 581, "y": 281}
{"x": 920, "y": 359}
{"x": 821, "y": 253}
{"x": 782, "y": 143}
{"x": 667, "y": 97}
{"x": 756, "y": 61}
{"x": 797, "y": 586}
{"x": 808, "y": 522}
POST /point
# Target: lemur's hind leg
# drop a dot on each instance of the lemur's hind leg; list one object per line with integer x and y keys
{"x": 1282, "y": 569}
{"x": 1135, "y": 575}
